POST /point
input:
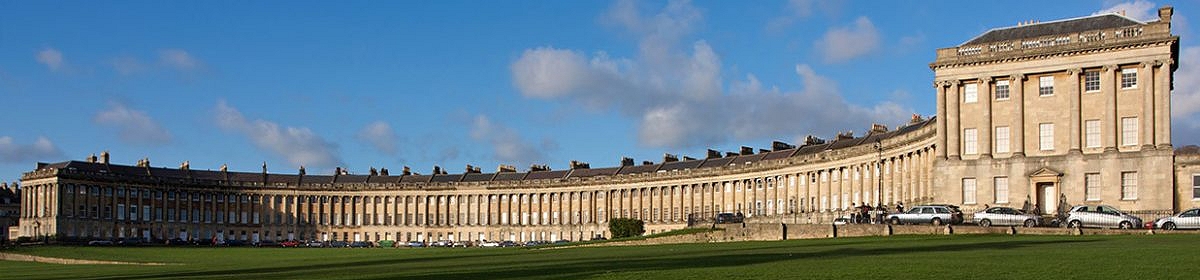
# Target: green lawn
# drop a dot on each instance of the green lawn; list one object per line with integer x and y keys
{"x": 900, "y": 257}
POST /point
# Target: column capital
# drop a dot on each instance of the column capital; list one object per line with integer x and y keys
{"x": 1109, "y": 68}
{"x": 985, "y": 80}
{"x": 1150, "y": 63}
{"x": 955, "y": 82}
{"x": 1167, "y": 62}
{"x": 1074, "y": 71}
{"x": 1017, "y": 77}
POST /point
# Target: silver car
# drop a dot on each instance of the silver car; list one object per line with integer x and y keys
{"x": 1189, "y": 219}
{"x": 1005, "y": 216}
{"x": 1101, "y": 216}
{"x": 926, "y": 214}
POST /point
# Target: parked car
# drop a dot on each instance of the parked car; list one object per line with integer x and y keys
{"x": 290, "y": 244}
{"x": 562, "y": 241}
{"x": 416, "y": 244}
{"x": 841, "y": 221}
{"x": 100, "y": 243}
{"x": 1005, "y": 216}
{"x": 730, "y": 218}
{"x": 203, "y": 242}
{"x": 338, "y": 244}
{"x": 1189, "y": 219}
{"x": 235, "y": 243}
{"x": 489, "y": 244}
{"x": 361, "y": 244}
{"x": 927, "y": 214}
{"x": 508, "y": 244}
{"x": 130, "y": 241}
{"x": 314, "y": 244}
{"x": 176, "y": 242}
{"x": 598, "y": 237}
{"x": 265, "y": 243}
{"x": 1100, "y": 216}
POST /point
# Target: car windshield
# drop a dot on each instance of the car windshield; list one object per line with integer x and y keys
{"x": 943, "y": 210}
{"x": 996, "y": 210}
{"x": 1108, "y": 210}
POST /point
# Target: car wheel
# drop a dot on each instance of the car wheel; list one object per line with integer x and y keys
{"x": 1030, "y": 223}
{"x": 936, "y": 221}
{"x": 1125, "y": 225}
{"x": 1169, "y": 226}
{"x": 895, "y": 221}
{"x": 1074, "y": 224}
{"x": 985, "y": 223}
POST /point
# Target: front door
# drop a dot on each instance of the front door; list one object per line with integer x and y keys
{"x": 1046, "y": 202}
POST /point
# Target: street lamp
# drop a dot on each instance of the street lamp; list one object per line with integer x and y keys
{"x": 879, "y": 172}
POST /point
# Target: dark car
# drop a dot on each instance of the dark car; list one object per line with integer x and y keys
{"x": 598, "y": 237}
{"x": 265, "y": 243}
{"x": 202, "y": 242}
{"x": 562, "y": 241}
{"x": 235, "y": 243}
{"x": 730, "y": 218}
{"x": 508, "y": 244}
{"x": 360, "y": 244}
{"x": 339, "y": 244}
{"x": 314, "y": 244}
{"x": 100, "y": 243}
{"x": 130, "y": 242}
{"x": 177, "y": 242}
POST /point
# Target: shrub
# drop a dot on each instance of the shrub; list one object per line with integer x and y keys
{"x": 624, "y": 227}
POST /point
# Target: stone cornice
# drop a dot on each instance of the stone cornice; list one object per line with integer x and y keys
{"x": 1051, "y": 53}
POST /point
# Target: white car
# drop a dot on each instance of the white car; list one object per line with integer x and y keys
{"x": 1189, "y": 219}
{"x": 489, "y": 244}
{"x": 1005, "y": 216}
{"x": 1101, "y": 216}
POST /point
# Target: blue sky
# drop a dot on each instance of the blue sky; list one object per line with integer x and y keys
{"x": 419, "y": 83}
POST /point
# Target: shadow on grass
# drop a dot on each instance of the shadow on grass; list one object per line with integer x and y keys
{"x": 511, "y": 264}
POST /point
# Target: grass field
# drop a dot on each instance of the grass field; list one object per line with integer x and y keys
{"x": 899, "y": 257}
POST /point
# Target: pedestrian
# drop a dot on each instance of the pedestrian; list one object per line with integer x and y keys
{"x": 900, "y": 207}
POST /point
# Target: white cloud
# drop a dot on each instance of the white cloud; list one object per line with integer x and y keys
{"x": 676, "y": 94}
{"x": 848, "y": 42}
{"x": 179, "y": 59}
{"x": 507, "y": 145}
{"x": 796, "y": 10}
{"x": 41, "y": 149}
{"x": 381, "y": 136}
{"x": 52, "y": 58}
{"x": 298, "y": 145}
{"x": 1185, "y": 100}
{"x": 127, "y": 65}
{"x": 1140, "y": 9}
{"x": 133, "y": 126}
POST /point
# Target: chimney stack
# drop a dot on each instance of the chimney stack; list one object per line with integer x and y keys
{"x": 626, "y": 161}
{"x": 713, "y": 154}
{"x": 877, "y": 128}
{"x": 580, "y": 165}
{"x": 669, "y": 158}
{"x": 437, "y": 170}
{"x": 687, "y": 158}
{"x": 373, "y": 171}
{"x": 224, "y": 167}
{"x": 780, "y": 145}
{"x": 185, "y": 166}
{"x": 813, "y": 140}
{"x": 1165, "y": 13}
{"x": 506, "y": 168}
{"x": 747, "y": 151}
{"x": 731, "y": 154}
{"x": 647, "y": 162}
{"x": 538, "y": 167}
{"x": 302, "y": 172}
{"x": 91, "y": 158}
{"x": 406, "y": 171}
{"x": 104, "y": 157}
{"x": 383, "y": 172}
{"x": 845, "y": 135}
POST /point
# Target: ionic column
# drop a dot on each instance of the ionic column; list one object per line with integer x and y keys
{"x": 952, "y": 124}
{"x": 985, "y": 98}
{"x": 1146, "y": 83}
{"x": 1162, "y": 101}
{"x": 1110, "y": 125}
{"x": 1017, "y": 133}
{"x": 1073, "y": 92}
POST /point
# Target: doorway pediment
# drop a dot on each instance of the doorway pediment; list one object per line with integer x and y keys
{"x": 1045, "y": 172}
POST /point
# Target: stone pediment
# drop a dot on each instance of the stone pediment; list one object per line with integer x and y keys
{"x": 1045, "y": 172}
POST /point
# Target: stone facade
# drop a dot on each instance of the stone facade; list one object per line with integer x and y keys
{"x": 1078, "y": 116}
{"x": 1104, "y": 82}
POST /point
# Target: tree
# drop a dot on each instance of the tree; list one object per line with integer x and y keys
{"x": 624, "y": 227}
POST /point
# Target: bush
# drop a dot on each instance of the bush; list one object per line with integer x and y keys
{"x": 623, "y": 227}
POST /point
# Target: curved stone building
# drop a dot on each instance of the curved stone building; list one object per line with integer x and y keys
{"x": 1074, "y": 111}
